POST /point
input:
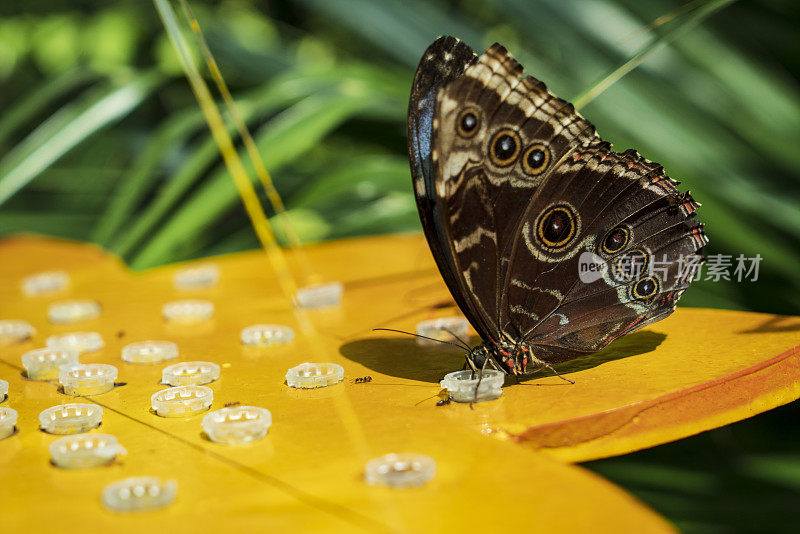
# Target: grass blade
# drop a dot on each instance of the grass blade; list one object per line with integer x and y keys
{"x": 284, "y": 139}
{"x": 44, "y": 146}
{"x": 679, "y": 28}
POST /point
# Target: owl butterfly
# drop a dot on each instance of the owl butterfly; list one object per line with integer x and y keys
{"x": 517, "y": 192}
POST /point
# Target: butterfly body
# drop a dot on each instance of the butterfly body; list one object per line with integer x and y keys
{"x": 511, "y": 357}
{"x": 516, "y": 190}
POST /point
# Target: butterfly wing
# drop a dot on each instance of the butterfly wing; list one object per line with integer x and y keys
{"x": 474, "y": 196}
{"x": 514, "y": 188}
{"x": 444, "y": 61}
{"x": 625, "y": 214}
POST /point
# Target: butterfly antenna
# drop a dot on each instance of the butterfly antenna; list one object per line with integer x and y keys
{"x": 456, "y": 337}
{"x": 423, "y": 337}
{"x": 557, "y": 373}
{"x": 426, "y": 398}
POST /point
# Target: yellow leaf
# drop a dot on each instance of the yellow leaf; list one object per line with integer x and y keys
{"x": 307, "y": 474}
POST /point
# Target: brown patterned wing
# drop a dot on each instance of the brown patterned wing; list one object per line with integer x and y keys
{"x": 623, "y": 213}
{"x": 521, "y": 192}
{"x": 444, "y": 61}
{"x": 496, "y": 139}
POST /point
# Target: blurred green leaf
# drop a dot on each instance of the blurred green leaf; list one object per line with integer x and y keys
{"x": 14, "y": 43}
{"x": 359, "y": 179}
{"x": 143, "y": 174}
{"x": 71, "y": 225}
{"x": 56, "y": 43}
{"x": 401, "y": 29}
{"x": 308, "y": 225}
{"x": 111, "y": 38}
{"x": 40, "y": 98}
{"x": 68, "y": 127}
{"x": 283, "y": 139}
{"x": 283, "y": 91}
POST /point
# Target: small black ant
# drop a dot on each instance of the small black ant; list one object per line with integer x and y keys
{"x": 363, "y": 379}
{"x": 443, "y": 402}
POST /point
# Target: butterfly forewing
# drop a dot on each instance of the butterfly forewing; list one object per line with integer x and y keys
{"x": 444, "y": 61}
{"x": 483, "y": 185}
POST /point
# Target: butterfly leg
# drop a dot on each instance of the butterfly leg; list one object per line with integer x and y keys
{"x": 480, "y": 378}
{"x": 470, "y": 364}
{"x": 545, "y": 365}
{"x": 494, "y": 365}
{"x": 557, "y": 374}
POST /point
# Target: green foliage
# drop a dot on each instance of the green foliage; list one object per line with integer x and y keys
{"x": 744, "y": 477}
{"x": 97, "y": 97}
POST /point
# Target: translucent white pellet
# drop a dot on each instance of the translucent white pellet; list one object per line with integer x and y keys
{"x": 87, "y": 379}
{"x": 149, "y": 352}
{"x": 139, "y": 493}
{"x": 182, "y": 401}
{"x": 83, "y": 342}
{"x": 45, "y": 283}
{"x": 188, "y": 310}
{"x": 314, "y": 375}
{"x": 266, "y": 334}
{"x": 44, "y": 364}
{"x": 15, "y": 331}
{"x": 196, "y": 277}
{"x": 320, "y": 295}
{"x": 462, "y": 385}
{"x": 73, "y": 311}
{"x": 84, "y": 451}
{"x": 71, "y": 418}
{"x": 400, "y": 470}
{"x": 8, "y": 418}
{"x": 237, "y": 425}
{"x": 190, "y": 373}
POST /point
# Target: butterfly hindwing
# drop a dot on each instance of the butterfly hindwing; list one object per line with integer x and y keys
{"x": 660, "y": 232}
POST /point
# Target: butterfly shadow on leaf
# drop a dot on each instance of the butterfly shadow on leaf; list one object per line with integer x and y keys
{"x": 631, "y": 345}
{"x": 404, "y": 358}
{"x": 776, "y": 323}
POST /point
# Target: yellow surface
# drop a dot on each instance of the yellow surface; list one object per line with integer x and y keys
{"x": 696, "y": 370}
